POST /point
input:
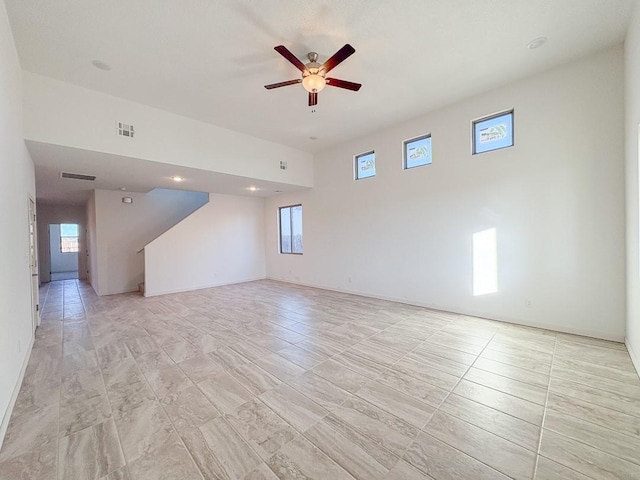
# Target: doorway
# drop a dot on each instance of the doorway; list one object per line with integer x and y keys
{"x": 63, "y": 250}
{"x": 33, "y": 264}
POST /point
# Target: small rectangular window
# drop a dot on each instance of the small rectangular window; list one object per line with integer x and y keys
{"x": 291, "y": 229}
{"x": 417, "y": 151}
{"x": 69, "y": 238}
{"x": 365, "y": 165}
{"x": 493, "y": 133}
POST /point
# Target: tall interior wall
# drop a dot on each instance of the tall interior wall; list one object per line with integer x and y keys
{"x": 632, "y": 141}
{"x": 556, "y": 199}
{"x": 17, "y": 185}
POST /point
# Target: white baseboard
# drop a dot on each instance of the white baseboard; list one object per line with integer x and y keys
{"x": 635, "y": 359}
{"x": 118, "y": 292}
{"x": 604, "y": 335}
{"x": 14, "y": 396}
{"x": 201, "y": 287}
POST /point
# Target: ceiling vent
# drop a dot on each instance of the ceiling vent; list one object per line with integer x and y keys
{"x": 125, "y": 130}
{"x": 78, "y": 176}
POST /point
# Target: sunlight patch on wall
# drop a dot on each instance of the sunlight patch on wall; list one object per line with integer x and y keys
{"x": 485, "y": 262}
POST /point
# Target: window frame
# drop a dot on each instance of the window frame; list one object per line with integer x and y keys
{"x": 503, "y": 113}
{"x": 356, "y": 170}
{"x": 406, "y": 143}
{"x": 77, "y": 237}
{"x": 289, "y": 207}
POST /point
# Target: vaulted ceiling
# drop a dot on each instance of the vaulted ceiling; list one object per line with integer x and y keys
{"x": 209, "y": 59}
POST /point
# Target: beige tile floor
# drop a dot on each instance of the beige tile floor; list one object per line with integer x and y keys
{"x": 266, "y": 380}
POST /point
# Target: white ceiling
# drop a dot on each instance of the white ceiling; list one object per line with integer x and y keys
{"x": 209, "y": 59}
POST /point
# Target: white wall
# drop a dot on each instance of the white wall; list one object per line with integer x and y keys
{"x": 556, "y": 199}
{"x": 221, "y": 243}
{"x": 55, "y": 214}
{"x": 632, "y": 130}
{"x": 63, "y": 114}
{"x": 92, "y": 242}
{"x": 122, "y": 230}
{"x": 60, "y": 261}
{"x": 16, "y": 185}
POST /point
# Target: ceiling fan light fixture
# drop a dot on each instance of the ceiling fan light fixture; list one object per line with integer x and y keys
{"x": 314, "y": 74}
{"x": 313, "y": 83}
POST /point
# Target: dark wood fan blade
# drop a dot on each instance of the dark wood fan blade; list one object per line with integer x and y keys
{"x": 282, "y": 84}
{"x": 338, "y": 57}
{"x": 335, "y": 82}
{"x": 313, "y": 99}
{"x": 284, "y": 51}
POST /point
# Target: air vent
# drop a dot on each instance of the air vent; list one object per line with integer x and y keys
{"x": 125, "y": 130}
{"x": 78, "y": 176}
{"x": 283, "y": 165}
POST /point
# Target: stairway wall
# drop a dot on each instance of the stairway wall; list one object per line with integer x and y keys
{"x": 123, "y": 229}
{"x": 221, "y": 243}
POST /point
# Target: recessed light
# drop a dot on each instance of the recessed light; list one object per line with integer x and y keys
{"x": 100, "y": 65}
{"x": 252, "y": 188}
{"x": 177, "y": 179}
{"x": 536, "y": 43}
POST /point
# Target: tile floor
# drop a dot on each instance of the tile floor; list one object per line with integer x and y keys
{"x": 55, "y": 276}
{"x": 266, "y": 380}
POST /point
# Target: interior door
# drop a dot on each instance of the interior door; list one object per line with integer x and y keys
{"x": 33, "y": 264}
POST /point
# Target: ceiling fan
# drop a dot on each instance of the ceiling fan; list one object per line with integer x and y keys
{"x": 314, "y": 74}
